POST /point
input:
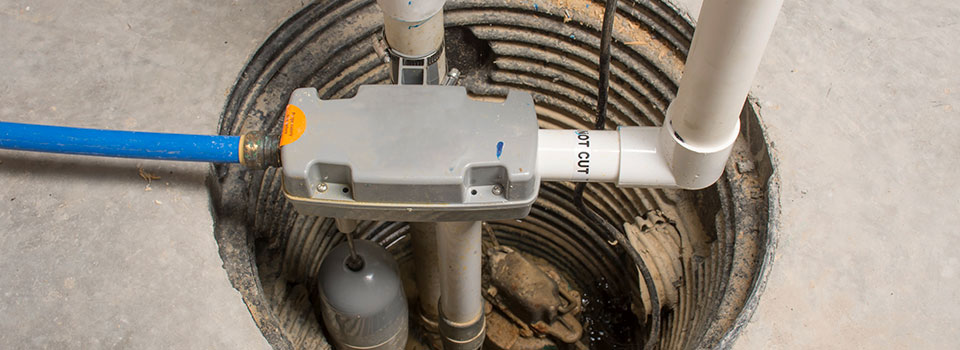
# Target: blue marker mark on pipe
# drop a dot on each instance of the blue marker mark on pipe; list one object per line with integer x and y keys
{"x": 499, "y": 149}
{"x": 416, "y": 25}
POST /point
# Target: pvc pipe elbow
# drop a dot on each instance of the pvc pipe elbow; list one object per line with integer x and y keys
{"x": 724, "y": 56}
{"x": 693, "y": 167}
{"x": 656, "y": 157}
{"x": 641, "y": 160}
{"x": 631, "y": 157}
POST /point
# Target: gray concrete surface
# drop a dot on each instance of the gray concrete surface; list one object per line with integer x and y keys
{"x": 859, "y": 98}
{"x": 862, "y": 100}
{"x": 90, "y": 259}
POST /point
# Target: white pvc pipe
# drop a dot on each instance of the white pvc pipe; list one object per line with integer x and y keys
{"x": 704, "y": 120}
{"x": 413, "y": 28}
{"x": 458, "y": 246}
{"x": 410, "y": 10}
{"x": 627, "y": 156}
{"x": 578, "y": 155}
{"x": 692, "y": 148}
{"x": 728, "y": 43}
{"x": 641, "y": 165}
{"x": 414, "y": 39}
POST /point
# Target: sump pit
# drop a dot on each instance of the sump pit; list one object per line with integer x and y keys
{"x": 711, "y": 247}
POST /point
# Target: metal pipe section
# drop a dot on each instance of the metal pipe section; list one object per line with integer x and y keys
{"x": 462, "y": 324}
{"x": 410, "y": 10}
{"x": 120, "y": 144}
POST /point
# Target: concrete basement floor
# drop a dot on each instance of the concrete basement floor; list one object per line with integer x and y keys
{"x": 859, "y": 97}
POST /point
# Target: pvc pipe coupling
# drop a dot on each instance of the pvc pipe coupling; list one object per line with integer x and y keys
{"x": 630, "y": 157}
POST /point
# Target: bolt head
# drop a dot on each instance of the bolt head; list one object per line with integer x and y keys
{"x": 322, "y": 187}
{"x": 497, "y": 190}
{"x": 453, "y": 73}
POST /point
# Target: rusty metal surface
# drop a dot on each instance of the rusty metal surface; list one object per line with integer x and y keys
{"x": 523, "y": 287}
{"x": 539, "y": 303}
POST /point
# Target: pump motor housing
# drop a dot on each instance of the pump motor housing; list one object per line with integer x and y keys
{"x": 410, "y": 153}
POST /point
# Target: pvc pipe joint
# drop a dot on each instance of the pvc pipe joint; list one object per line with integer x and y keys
{"x": 694, "y": 167}
{"x": 704, "y": 120}
{"x": 630, "y": 157}
{"x": 692, "y": 147}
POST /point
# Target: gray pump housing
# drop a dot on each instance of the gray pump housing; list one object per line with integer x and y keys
{"x": 413, "y": 153}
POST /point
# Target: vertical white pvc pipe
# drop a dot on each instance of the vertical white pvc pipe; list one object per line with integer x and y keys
{"x": 704, "y": 120}
{"x": 410, "y": 10}
{"x": 728, "y": 43}
{"x": 458, "y": 246}
{"x": 414, "y": 28}
{"x": 414, "y": 39}
{"x": 423, "y": 237}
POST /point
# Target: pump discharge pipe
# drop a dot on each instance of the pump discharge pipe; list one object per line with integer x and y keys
{"x": 413, "y": 30}
{"x": 691, "y": 148}
{"x": 450, "y": 286}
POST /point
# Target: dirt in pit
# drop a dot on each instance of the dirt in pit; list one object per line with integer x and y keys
{"x": 581, "y": 11}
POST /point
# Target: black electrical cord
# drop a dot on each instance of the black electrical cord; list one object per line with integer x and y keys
{"x": 603, "y": 85}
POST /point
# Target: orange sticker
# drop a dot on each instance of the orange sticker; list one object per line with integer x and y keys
{"x": 294, "y": 123}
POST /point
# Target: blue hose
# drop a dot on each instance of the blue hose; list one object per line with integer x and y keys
{"x": 121, "y": 144}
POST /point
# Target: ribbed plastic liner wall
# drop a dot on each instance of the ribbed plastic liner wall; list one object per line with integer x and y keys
{"x": 549, "y": 49}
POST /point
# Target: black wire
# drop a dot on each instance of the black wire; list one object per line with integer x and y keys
{"x": 603, "y": 85}
{"x": 622, "y": 241}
